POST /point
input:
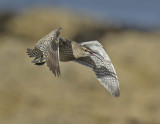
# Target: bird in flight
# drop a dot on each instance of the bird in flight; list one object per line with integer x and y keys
{"x": 52, "y": 49}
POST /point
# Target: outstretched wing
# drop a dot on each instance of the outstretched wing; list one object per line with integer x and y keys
{"x": 103, "y": 68}
{"x": 51, "y": 55}
{"x": 50, "y": 47}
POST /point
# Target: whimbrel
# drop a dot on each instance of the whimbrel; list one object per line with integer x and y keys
{"x": 52, "y": 49}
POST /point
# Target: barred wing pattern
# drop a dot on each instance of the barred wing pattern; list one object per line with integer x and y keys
{"x": 49, "y": 45}
{"x": 103, "y": 67}
{"x": 51, "y": 55}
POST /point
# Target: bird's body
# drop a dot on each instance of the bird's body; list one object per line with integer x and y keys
{"x": 68, "y": 50}
{"x": 51, "y": 49}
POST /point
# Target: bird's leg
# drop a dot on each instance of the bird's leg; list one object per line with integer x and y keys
{"x": 35, "y": 60}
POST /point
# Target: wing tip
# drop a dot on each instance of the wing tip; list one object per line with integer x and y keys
{"x": 116, "y": 93}
{"x": 57, "y": 73}
{"x": 59, "y": 29}
{"x": 58, "y": 32}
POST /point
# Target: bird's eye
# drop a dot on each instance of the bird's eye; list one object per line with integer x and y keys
{"x": 86, "y": 50}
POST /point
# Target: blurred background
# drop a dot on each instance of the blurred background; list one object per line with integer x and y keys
{"x": 129, "y": 31}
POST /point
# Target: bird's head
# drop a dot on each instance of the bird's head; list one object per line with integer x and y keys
{"x": 85, "y": 51}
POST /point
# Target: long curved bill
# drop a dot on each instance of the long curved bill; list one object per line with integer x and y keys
{"x": 98, "y": 56}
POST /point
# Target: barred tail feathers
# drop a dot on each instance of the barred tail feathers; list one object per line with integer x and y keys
{"x": 31, "y": 52}
{"x": 38, "y": 60}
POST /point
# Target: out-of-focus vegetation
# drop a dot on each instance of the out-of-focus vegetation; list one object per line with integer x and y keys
{"x": 31, "y": 94}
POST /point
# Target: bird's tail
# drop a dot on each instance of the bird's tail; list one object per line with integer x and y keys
{"x": 31, "y": 52}
{"x": 38, "y": 60}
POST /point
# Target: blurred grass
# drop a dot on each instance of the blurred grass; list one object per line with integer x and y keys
{"x": 31, "y": 94}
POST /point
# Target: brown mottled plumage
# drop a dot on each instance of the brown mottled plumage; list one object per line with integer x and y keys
{"x": 51, "y": 49}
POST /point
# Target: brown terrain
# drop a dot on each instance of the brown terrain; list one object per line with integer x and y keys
{"x": 31, "y": 94}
